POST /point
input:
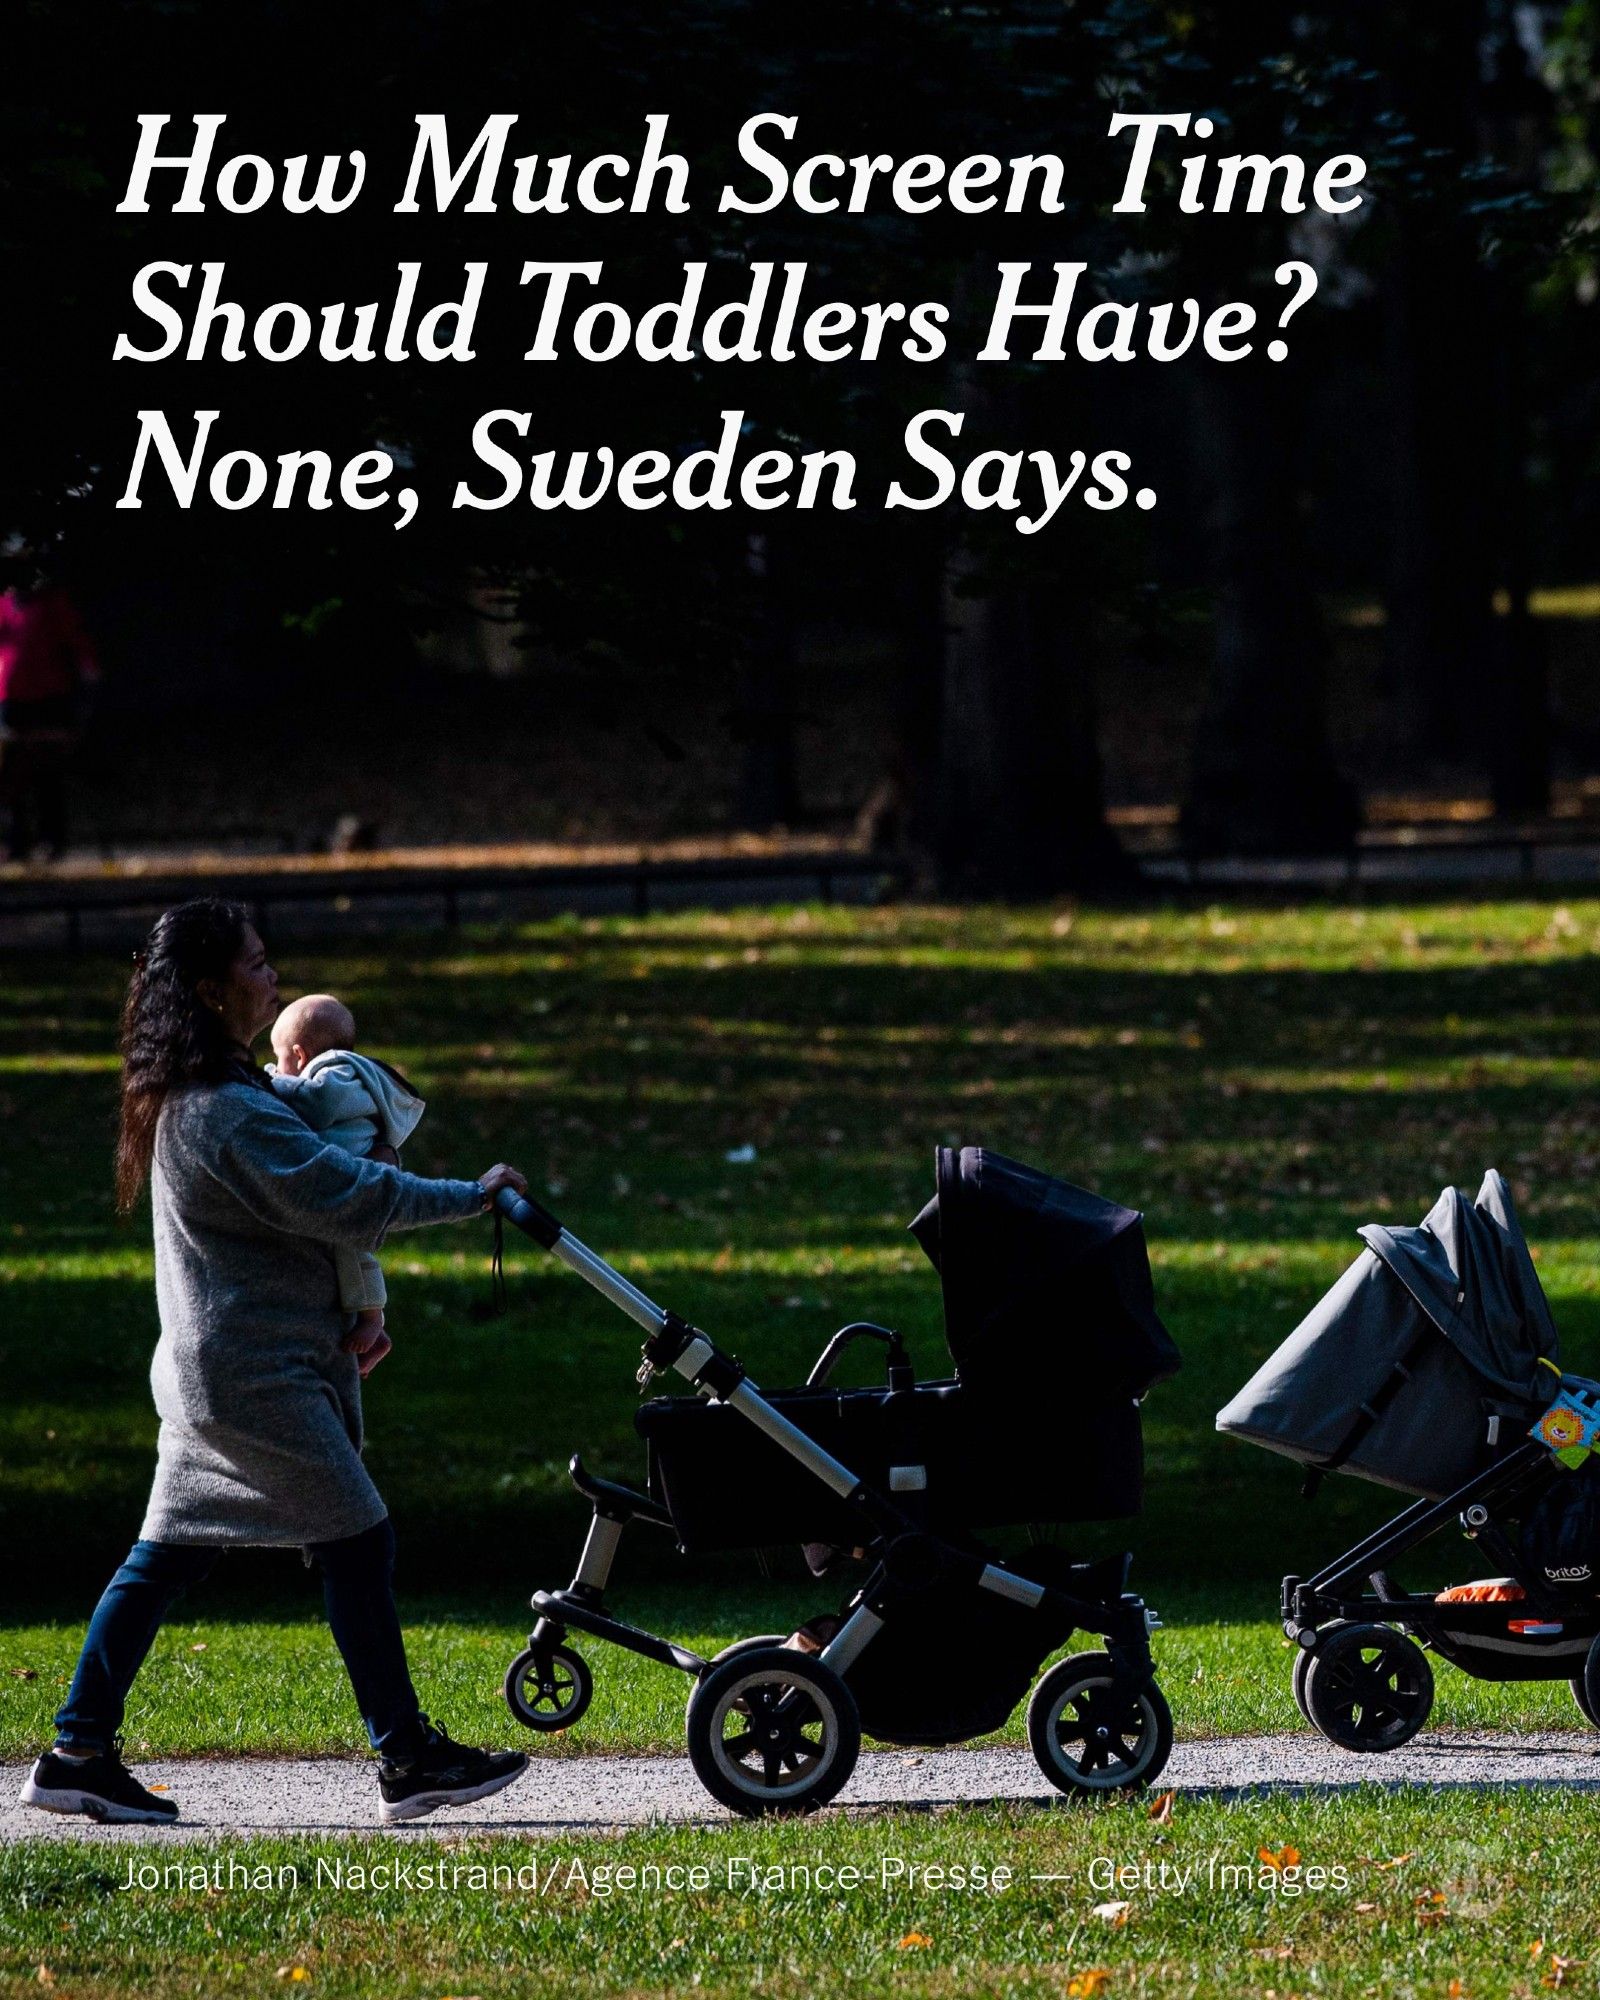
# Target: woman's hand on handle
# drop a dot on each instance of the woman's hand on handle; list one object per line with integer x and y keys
{"x": 498, "y": 1177}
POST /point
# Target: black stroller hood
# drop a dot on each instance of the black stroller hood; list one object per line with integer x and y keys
{"x": 1040, "y": 1275}
{"x": 1398, "y": 1371}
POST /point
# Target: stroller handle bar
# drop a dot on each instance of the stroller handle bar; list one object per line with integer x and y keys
{"x": 675, "y": 1344}
{"x": 536, "y": 1221}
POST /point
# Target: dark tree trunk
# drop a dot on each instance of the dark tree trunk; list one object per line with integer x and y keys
{"x": 1263, "y": 778}
{"x": 1019, "y": 801}
{"x": 1514, "y": 715}
{"x": 901, "y": 813}
{"x": 1439, "y": 637}
{"x": 1021, "y": 807}
{"x": 768, "y": 790}
{"x": 1466, "y": 684}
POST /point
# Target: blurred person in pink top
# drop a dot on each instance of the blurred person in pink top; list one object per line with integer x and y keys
{"x": 46, "y": 665}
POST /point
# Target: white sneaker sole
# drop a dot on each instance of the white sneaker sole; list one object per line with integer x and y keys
{"x": 422, "y": 1803}
{"x": 89, "y": 1805}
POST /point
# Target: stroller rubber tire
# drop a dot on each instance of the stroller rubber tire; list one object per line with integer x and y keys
{"x": 1586, "y": 1687}
{"x": 1297, "y": 1681}
{"x": 1368, "y": 1705}
{"x": 804, "y": 1715}
{"x": 1126, "y": 1734}
{"x": 1302, "y": 1666}
{"x": 565, "y": 1688}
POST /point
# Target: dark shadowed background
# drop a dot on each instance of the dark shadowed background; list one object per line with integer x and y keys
{"x": 1370, "y": 587}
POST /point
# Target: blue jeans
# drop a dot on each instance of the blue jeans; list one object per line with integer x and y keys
{"x": 356, "y": 1588}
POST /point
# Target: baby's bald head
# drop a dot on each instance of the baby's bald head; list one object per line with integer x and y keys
{"x": 309, "y": 1027}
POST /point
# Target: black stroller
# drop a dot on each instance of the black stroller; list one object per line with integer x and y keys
{"x": 1431, "y": 1367}
{"x": 1043, "y": 1284}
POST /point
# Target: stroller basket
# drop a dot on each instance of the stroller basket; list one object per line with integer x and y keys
{"x": 973, "y": 1461}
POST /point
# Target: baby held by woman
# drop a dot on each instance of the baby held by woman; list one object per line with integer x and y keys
{"x": 355, "y": 1102}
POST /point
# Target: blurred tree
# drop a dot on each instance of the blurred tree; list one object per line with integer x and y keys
{"x": 768, "y": 789}
{"x": 1470, "y": 231}
{"x": 1263, "y": 776}
{"x": 994, "y": 762}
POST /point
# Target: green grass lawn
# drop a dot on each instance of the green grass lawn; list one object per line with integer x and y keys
{"x": 1422, "y": 1894}
{"x": 1259, "y": 1081}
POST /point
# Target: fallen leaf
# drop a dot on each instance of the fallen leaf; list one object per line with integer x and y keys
{"x": 198, "y": 1647}
{"x": 45, "y": 1976}
{"x": 1285, "y": 1857}
{"x": 1161, "y": 1809}
{"x": 1560, "y": 1971}
{"x": 1112, "y": 1913}
{"x": 293, "y": 1973}
{"x": 158, "y": 1788}
{"x": 24, "y": 1673}
{"x": 1365, "y": 1909}
{"x": 1085, "y": 1985}
{"x": 914, "y": 1941}
{"x": 1456, "y": 1990}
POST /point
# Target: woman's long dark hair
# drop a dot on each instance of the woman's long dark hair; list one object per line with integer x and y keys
{"x": 169, "y": 1036}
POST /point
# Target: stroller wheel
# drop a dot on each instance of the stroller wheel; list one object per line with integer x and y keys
{"x": 1586, "y": 1686}
{"x": 1297, "y": 1681}
{"x": 772, "y": 1731}
{"x": 1302, "y": 1666}
{"x": 1091, "y": 1732}
{"x": 548, "y": 1689}
{"x": 1368, "y": 1687}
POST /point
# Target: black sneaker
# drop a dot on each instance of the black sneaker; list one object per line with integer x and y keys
{"x": 102, "y": 1787}
{"x": 444, "y": 1773}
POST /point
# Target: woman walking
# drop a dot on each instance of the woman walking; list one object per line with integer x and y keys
{"x": 255, "y": 1376}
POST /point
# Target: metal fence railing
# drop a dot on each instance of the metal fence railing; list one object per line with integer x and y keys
{"x": 74, "y": 909}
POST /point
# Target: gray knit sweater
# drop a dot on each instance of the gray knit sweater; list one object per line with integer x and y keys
{"x": 260, "y": 1408}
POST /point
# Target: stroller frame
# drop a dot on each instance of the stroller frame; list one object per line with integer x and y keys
{"x": 1337, "y": 1626}
{"x": 549, "y": 1687}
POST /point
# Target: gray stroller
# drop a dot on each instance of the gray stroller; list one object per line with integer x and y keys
{"x": 1431, "y": 1367}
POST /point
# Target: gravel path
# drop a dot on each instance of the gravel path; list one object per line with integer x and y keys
{"x": 564, "y": 1795}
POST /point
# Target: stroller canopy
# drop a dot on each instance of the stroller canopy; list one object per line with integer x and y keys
{"x": 1038, "y": 1275}
{"x": 1397, "y": 1371}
